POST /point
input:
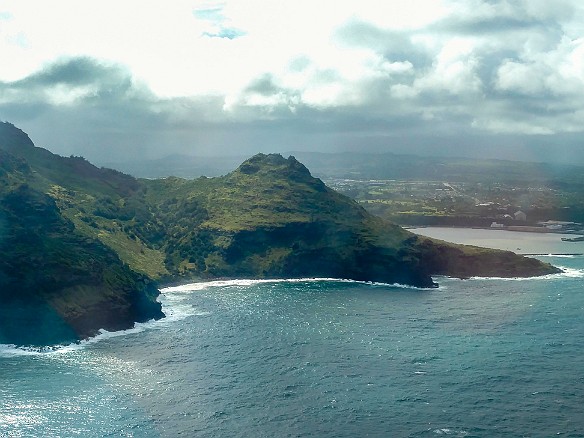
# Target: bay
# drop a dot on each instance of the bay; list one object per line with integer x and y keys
{"x": 327, "y": 358}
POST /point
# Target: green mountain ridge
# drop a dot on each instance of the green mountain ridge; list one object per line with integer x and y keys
{"x": 81, "y": 246}
{"x": 56, "y": 284}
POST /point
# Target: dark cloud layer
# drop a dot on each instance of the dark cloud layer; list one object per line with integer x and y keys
{"x": 119, "y": 121}
{"x": 73, "y": 72}
{"x": 499, "y": 79}
{"x": 393, "y": 45}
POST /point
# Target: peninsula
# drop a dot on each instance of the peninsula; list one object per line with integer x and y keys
{"x": 82, "y": 248}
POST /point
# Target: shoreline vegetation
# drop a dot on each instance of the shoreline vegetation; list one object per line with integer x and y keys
{"x": 82, "y": 247}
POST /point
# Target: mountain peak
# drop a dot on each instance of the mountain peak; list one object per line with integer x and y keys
{"x": 13, "y": 139}
{"x": 80, "y": 245}
{"x": 272, "y": 162}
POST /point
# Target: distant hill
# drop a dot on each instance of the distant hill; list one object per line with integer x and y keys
{"x": 387, "y": 165}
{"x": 80, "y": 246}
{"x": 428, "y": 168}
{"x": 545, "y": 191}
{"x": 179, "y": 165}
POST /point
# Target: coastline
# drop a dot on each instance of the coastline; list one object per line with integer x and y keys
{"x": 523, "y": 242}
{"x": 514, "y": 228}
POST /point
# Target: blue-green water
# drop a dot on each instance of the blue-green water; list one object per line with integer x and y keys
{"x": 474, "y": 358}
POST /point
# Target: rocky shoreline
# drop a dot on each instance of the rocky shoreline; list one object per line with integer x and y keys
{"x": 82, "y": 248}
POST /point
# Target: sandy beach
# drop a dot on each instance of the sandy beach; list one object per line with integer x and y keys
{"x": 519, "y": 242}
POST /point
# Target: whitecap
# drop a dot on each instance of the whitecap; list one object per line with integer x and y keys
{"x": 560, "y": 256}
{"x": 567, "y": 273}
{"x": 193, "y": 287}
{"x": 172, "y": 304}
{"x": 447, "y": 431}
{"x": 14, "y": 350}
{"x": 174, "y": 307}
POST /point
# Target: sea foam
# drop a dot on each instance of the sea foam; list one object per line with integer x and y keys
{"x": 567, "y": 273}
{"x": 193, "y": 287}
{"x": 14, "y": 350}
{"x": 560, "y": 256}
{"x": 172, "y": 304}
{"x": 174, "y": 307}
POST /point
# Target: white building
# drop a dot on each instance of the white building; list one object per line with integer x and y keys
{"x": 520, "y": 216}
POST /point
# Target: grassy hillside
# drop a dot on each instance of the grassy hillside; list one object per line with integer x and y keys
{"x": 268, "y": 218}
{"x": 271, "y": 218}
{"x": 58, "y": 284}
{"x": 416, "y": 190}
{"x": 81, "y": 245}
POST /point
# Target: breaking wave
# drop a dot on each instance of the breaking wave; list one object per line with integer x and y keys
{"x": 174, "y": 306}
{"x": 193, "y": 287}
{"x": 567, "y": 273}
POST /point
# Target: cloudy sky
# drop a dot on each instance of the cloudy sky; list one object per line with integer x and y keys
{"x": 113, "y": 80}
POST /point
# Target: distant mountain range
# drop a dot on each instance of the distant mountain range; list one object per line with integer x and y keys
{"x": 370, "y": 166}
{"x": 81, "y": 246}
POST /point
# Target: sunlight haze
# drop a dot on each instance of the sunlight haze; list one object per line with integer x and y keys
{"x": 109, "y": 80}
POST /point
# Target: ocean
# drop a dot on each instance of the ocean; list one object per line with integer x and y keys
{"x": 483, "y": 357}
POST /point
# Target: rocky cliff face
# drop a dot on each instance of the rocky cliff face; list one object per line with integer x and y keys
{"x": 270, "y": 218}
{"x": 463, "y": 261}
{"x": 81, "y": 246}
{"x": 57, "y": 285}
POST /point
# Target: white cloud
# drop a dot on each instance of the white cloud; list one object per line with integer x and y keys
{"x": 509, "y": 126}
{"x": 169, "y": 47}
{"x": 521, "y": 78}
{"x": 508, "y": 65}
{"x": 558, "y": 72}
{"x": 453, "y": 71}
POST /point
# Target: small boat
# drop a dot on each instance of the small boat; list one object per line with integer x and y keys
{"x": 573, "y": 239}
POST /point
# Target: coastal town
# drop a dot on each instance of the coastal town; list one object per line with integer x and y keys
{"x": 539, "y": 208}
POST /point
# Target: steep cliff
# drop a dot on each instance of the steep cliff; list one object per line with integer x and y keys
{"x": 57, "y": 285}
{"x": 81, "y": 246}
{"x": 270, "y": 218}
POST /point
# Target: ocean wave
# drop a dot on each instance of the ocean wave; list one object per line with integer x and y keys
{"x": 176, "y": 309}
{"x": 447, "y": 431}
{"x": 8, "y": 350}
{"x": 172, "y": 304}
{"x": 15, "y": 350}
{"x": 559, "y": 256}
{"x": 193, "y": 287}
{"x": 567, "y": 273}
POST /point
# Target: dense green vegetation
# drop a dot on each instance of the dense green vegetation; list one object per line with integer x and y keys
{"x": 455, "y": 191}
{"x": 410, "y": 189}
{"x": 57, "y": 284}
{"x": 81, "y": 245}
